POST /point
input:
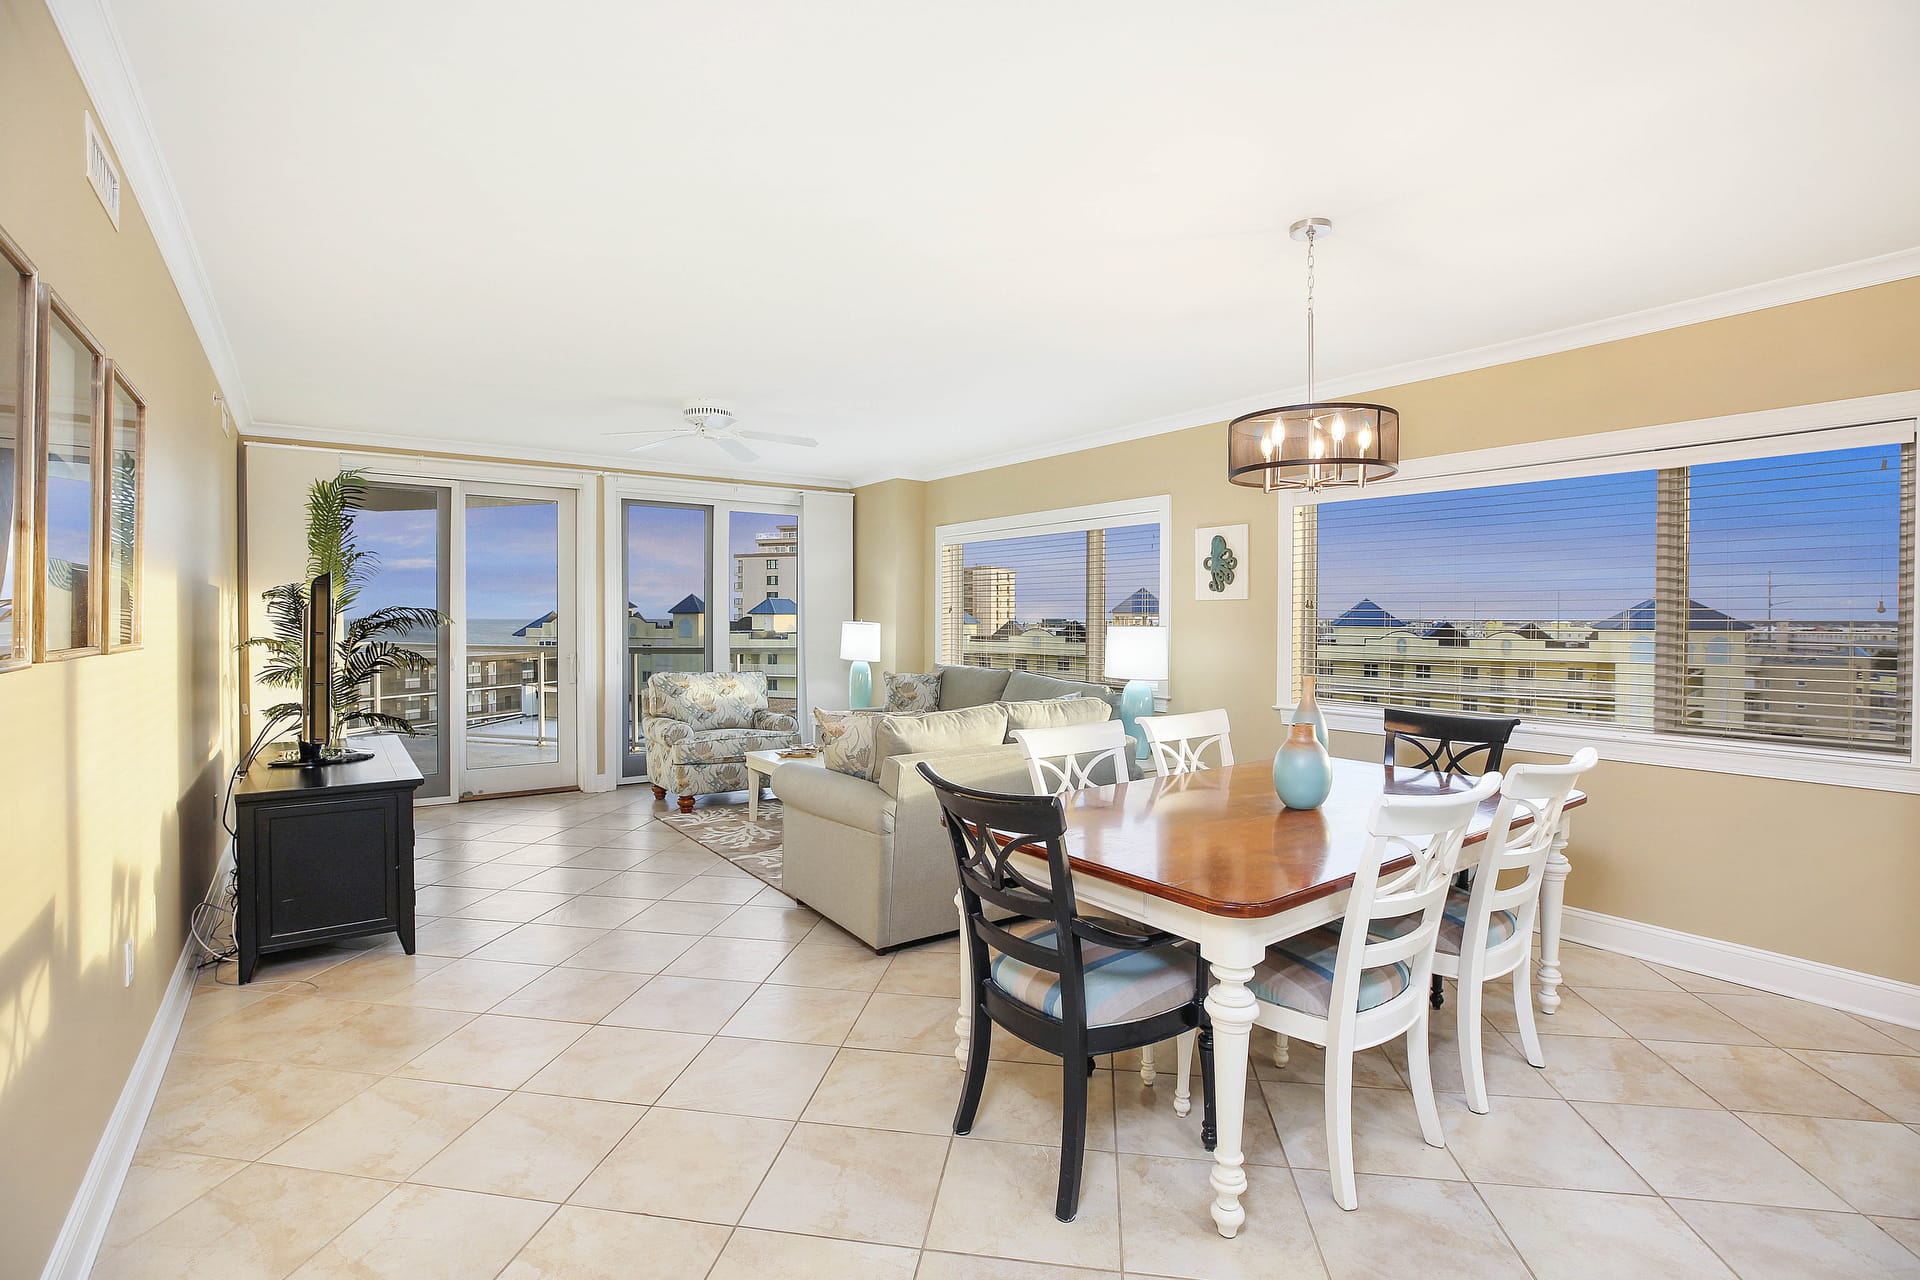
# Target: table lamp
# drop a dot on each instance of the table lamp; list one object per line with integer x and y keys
{"x": 860, "y": 644}
{"x": 1137, "y": 655}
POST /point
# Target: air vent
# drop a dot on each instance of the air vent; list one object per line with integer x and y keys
{"x": 102, "y": 173}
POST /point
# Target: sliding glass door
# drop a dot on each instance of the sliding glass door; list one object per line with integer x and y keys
{"x": 408, "y": 528}
{"x": 667, "y": 574}
{"x": 763, "y": 630}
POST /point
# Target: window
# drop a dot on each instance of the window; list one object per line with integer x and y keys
{"x": 773, "y": 564}
{"x": 68, "y": 501}
{"x": 1762, "y": 599}
{"x": 766, "y": 636}
{"x": 126, "y": 440}
{"x": 1040, "y": 592}
{"x": 18, "y": 319}
{"x": 773, "y": 579}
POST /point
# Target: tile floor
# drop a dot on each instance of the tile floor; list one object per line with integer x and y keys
{"x": 617, "y": 1055}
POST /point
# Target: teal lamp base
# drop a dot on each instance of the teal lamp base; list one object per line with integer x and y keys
{"x": 1136, "y": 700}
{"x": 860, "y": 686}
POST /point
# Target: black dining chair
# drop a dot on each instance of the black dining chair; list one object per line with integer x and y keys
{"x": 1447, "y": 741}
{"x": 1076, "y": 986}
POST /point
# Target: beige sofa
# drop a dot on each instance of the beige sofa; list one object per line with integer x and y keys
{"x": 871, "y": 856}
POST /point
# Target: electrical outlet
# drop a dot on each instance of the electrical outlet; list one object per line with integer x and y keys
{"x": 126, "y": 977}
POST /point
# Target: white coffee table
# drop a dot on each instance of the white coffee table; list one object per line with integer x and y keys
{"x": 762, "y": 764}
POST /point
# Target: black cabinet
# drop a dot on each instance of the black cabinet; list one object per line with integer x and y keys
{"x": 325, "y": 853}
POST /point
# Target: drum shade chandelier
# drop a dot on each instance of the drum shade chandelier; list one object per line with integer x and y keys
{"x": 1319, "y": 444}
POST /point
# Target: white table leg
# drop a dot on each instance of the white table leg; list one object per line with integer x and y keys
{"x": 753, "y": 796}
{"x": 1553, "y": 890}
{"x": 1232, "y": 1008}
{"x": 963, "y": 1023}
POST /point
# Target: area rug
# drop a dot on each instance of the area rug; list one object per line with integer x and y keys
{"x": 755, "y": 847}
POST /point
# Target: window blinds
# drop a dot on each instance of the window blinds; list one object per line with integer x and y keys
{"x": 1041, "y": 602}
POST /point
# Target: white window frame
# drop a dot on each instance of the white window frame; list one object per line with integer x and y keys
{"x": 1838, "y": 424}
{"x": 1156, "y": 510}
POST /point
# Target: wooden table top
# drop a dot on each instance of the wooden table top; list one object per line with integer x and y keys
{"x": 1220, "y": 841}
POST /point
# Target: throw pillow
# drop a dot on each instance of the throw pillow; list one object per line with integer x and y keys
{"x": 846, "y": 742}
{"x": 911, "y": 694}
{"x": 941, "y": 731}
{"x": 1054, "y": 713}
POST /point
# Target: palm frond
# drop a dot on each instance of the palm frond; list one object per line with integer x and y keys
{"x": 394, "y": 619}
{"x": 378, "y": 720}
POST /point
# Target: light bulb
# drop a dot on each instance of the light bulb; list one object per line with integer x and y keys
{"x": 1365, "y": 439}
{"x": 1266, "y": 445}
{"x": 1317, "y": 447}
{"x": 1339, "y": 428}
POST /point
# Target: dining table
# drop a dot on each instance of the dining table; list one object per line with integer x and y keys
{"x": 1214, "y": 857}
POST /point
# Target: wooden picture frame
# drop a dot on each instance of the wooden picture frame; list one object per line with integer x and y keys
{"x": 122, "y": 623}
{"x": 17, "y": 501}
{"x": 53, "y": 309}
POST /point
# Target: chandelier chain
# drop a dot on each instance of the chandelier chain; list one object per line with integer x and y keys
{"x": 1310, "y": 335}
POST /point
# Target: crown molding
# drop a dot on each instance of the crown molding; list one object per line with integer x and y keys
{"x": 598, "y": 463}
{"x": 93, "y": 42}
{"x": 1824, "y": 282}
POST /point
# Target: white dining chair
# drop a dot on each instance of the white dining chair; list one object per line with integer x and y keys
{"x": 1362, "y": 981}
{"x": 1486, "y": 932}
{"x": 1070, "y": 757}
{"x": 1178, "y": 744}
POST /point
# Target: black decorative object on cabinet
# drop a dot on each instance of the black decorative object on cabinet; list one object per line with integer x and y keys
{"x": 325, "y": 852}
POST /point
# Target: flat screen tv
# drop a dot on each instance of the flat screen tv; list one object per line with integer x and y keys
{"x": 316, "y": 686}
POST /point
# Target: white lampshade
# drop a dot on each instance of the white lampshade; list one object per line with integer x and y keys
{"x": 860, "y": 642}
{"x": 1137, "y": 653}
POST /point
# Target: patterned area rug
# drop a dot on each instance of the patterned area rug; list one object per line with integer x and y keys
{"x": 755, "y": 847}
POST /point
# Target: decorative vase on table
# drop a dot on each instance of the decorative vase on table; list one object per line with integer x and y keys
{"x": 1308, "y": 711}
{"x": 1302, "y": 769}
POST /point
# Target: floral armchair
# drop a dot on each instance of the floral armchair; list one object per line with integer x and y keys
{"x": 699, "y": 726}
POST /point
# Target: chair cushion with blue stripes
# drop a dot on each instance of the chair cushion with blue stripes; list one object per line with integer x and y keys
{"x": 1298, "y": 974}
{"x": 1122, "y": 986}
{"x": 1500, "y": 924}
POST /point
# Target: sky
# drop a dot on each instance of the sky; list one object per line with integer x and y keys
{"x": 1050, "y": 569}
{"x": 1825, "y": 524}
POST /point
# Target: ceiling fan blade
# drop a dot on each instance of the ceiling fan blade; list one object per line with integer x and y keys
{"x": 774, "y": 437}
{"x": 735, "y": 448}
{"x": 650, "y": 431}
{"x": 655, "y": 444}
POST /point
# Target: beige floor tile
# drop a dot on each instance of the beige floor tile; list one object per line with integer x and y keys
{"x": 1145, "y": 1123}
{"x": 536, "y": 1146}
{"x": 257, "y": 1227}
{"x": 1586, "y": 1235}
{"x": 1762, "y": 1078}
{"x": 814, "y": 964}
{"x": 685, "y": 858}
{"x": 1698, "y": 983}
{"x": 445, "y": 899}
{"x": 1386, "y": 1132}
{"x": 699, "y": 1005}
{"x": 1166, "y": 1229}
{"x": 241, "y": 1110}
{"x": 749, "y": 1077}
{"x": 567, "y": 879}
{"x": 1021, "y": 1103}
{"x": 600, "y": 858}
{"x": 1534, "y": 1142}
{"x": 595, "y": 1244}
{"x": 542, "y": 944}
{"x": 1444, "y": 1225}
{"x": 641, "y": 884}
{"x": 1795, "y": 1244}
{"x": 1905, "y": 1230}
{"x": 776, "y": 924}
{"x": 1020, "y": 1183}
{"x": 490, "y": 875}
{"x": 712, "y": 888}
{"x": 589, "y": 912}
{"x": 429, "y": 1233}
{"x": 1574, "y": 1017}
{"x": 494, "y": 1052}
{"x": 686, "y": 1164}
{"x": 1887, "y": 1081}
{"x": 670, "y": 916}
{"x": 215, "y": 1000}
{"x": 923, "y": 973}
{"x": 1586, "y": 967}
{"x": 1669, "y": 1015}
{"x": 1596, "y": 1069}
{"x": 571, "y": 995}
{"x": 1705, "y": 1155}
{"x": 758, "y": 1255}
{"x": 908, "y": 1024}
{"x": 629, "y": 951}
{"x": 516, "y": 905}
{"x": 914, "y": 1093}
{"x": 452, "y": 937}
{"x": 1799, "y": 1024}
{"x": 958, "y": 1266}
{"x": 618, "y": 1064}
{"x": 159, "y": 1183}
{"x": 380, "y": 1038}
{"x": 732, "y": 959}
{"x": 387, "y": 1132}
{"x": 1307, "y": 1064}
{"x": 270, "y": 1029}
{"x": 1909, "y": 1037}
{"x": 1875, "y": 1166}
{"x": 540, "y": 855}
{"x": 369, "y": 976}
{"x": 467, "y": 985}
{"x": 804, "y": 1015}
{"x": 853, "y": 1184}
{"x": 1508, "y": 1072}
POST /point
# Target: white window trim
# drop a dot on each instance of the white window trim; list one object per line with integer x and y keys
{"x": 1842, "y": 424}
{"x": 1156, "y": 509}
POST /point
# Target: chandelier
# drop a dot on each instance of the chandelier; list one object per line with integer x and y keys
{"x": 1319, "y": 444}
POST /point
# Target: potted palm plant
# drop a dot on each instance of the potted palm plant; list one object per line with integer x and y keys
{"x": 366, "y": 644}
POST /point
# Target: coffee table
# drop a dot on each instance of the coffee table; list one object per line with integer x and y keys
{"x": 762, "y": 764}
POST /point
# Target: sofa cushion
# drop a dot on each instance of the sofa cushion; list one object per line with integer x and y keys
{"x": 846, "y": 741}
{"x": 940, "y": 731}
{"x": 1054, "y": 713}
{"x": 709, "y": 699}
{"x": 1025, "y": 686}
{"x": 970, "y": 686}
{"x": 911, "y": 694}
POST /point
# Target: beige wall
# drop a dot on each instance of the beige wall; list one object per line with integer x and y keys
{"x": 111, "y": 767}
{"x": 1826, "y": 873}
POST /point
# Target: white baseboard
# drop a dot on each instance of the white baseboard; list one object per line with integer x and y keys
{"x": 92, "y": 1209}
{"x": 1825, "y": 984}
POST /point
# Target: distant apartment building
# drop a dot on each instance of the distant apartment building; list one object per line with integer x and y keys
{"x": 771, "y": 570}
{"x": 1051, "y": 646}
{"x": 986, "y": 593}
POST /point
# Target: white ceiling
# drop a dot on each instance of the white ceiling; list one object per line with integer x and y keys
{"x": 931, "y": 234}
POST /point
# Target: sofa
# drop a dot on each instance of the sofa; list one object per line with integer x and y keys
{"x": 871, "y": 855}
{"x": 699, "y": 726}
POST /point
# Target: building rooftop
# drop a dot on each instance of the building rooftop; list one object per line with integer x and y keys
{"x": 773, "y": 606}
{"x": 1142, "y": 603}
{"x": 691, "y": 604}
{"x": 1700, "y": 617}
{"x": 1366, "y": 614}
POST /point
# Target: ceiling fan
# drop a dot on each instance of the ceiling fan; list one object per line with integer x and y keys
{"x": 718, "y": 427}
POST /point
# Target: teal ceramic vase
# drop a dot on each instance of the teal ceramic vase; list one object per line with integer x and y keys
{"x": 1302, "y": 770}
{"x": 1308, "y": 711}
